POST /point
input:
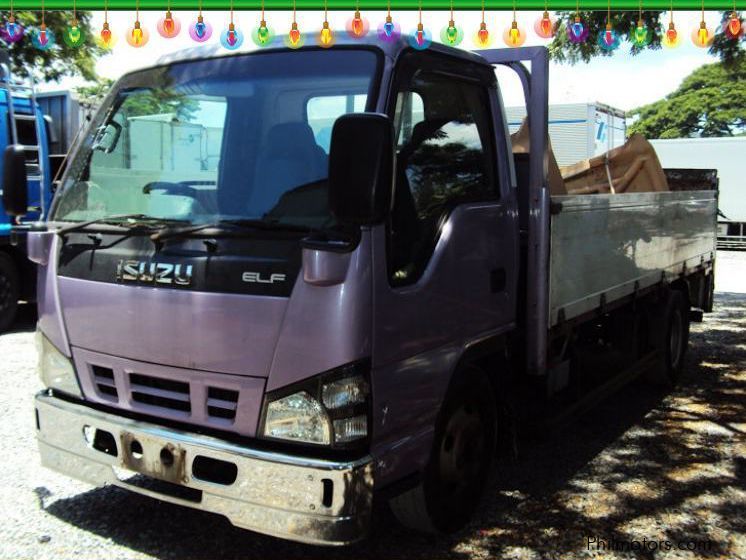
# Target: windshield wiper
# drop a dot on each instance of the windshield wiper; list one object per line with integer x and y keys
{"x": 229, "y": 226}
{"x": 139, "y": 221}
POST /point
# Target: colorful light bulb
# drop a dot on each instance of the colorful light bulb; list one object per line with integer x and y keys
{"x": 388, "y": 31}
{"x": 73, "y": 36}
{"x": 420, "y": 38}
{"x": 483, "y": 39}
{"x": 514, "y": 36}
{"x": 451, "y": 34}
{"x": 12, "y": 31}
{"x": 671, "y": 37}
{"x": 608, "y": 40}
{"x": 544, "y": 26}
{"x": 106, "y": 38}
{"x": 388, "y": 26}
{"x": 168, "y": 26}
{"x": 262, "y": 35}
{"x": 702, "y": 36}
{"x": 137, "y": 36}
{"x": 231, "y": 38}
{"x": 325, "y": 38}
{"x": 640, "y": 36}
{"x": 357, "y": 26}
{"x": 106, "y": 33}
{"x": 577, "y": 32}
{"x": 43, "y": 38}
{"x": 200, "y": 31}
{"x": 733, "y": 28}
{"x": 294, "y": 37}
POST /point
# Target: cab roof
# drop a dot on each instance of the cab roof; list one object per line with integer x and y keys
{"x": 390, "y": 49}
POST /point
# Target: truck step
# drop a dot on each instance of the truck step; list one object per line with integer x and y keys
{"x": 22, "y": 117}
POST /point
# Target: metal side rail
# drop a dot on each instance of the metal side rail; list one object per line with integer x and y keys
{"x": 304, "y": 499}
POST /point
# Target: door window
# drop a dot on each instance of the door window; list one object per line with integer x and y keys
{"x": 445, "y": 157}
{"x": 321, "y": 112}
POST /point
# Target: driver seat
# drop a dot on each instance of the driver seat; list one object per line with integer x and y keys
{"x": 287, "y": 159}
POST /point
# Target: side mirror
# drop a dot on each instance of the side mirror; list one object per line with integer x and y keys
{"x": 107, "y": 137}
{"x": 361, "y": 168}
{"x": 15, "y": 182}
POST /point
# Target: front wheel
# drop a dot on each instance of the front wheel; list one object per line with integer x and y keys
{"x": 460, "y": 461}
{"x": 9, "y": 291}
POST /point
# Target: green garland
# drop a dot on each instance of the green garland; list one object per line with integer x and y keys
{"x": 349, "y": 5}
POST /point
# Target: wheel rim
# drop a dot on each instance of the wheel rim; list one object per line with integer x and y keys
{"x": 675, "y": 338}
{"x": 462, "y": 451}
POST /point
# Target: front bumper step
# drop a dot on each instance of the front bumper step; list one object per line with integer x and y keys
{"x": 308, "y": 500}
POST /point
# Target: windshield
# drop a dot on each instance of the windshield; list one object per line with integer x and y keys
{"x": 242, "y": 137}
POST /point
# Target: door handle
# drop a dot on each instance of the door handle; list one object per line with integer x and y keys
{"x": 498, "y": 280}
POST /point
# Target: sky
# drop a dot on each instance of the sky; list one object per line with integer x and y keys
{"x": 622, "y": 81}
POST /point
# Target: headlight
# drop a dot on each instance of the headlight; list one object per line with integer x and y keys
{"x": 298, "y": 417}
{"x": 330, "y": 409}
{"x": 55, "y": 369}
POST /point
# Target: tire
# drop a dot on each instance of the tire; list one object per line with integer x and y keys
{"x": 670, "y": 337}
{"x": 460, "y": 462}
{"x": 9, "y": 291}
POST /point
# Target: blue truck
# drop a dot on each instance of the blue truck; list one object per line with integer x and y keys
{"x": 24, "y": 126}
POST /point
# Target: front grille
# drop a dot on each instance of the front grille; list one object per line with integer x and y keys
{"x": 156, "y": 391}
{"x": 201, "y": 398}
{"x": 103, "y": 377}
{"x": 221, "y": 403}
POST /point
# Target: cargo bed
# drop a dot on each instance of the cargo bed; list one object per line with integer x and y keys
{"x": 606, "y": 246}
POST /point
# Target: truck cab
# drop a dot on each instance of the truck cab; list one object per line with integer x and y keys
{"x": 273, "y": 285}
{"x": 23, "y": 126}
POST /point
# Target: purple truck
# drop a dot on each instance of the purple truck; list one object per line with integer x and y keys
{"x": 276, "y": 285}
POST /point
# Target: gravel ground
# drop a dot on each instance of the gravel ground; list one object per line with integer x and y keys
{"x": 639, "y": 466}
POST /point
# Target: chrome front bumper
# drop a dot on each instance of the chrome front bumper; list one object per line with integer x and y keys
{"x": 308, "y": 500}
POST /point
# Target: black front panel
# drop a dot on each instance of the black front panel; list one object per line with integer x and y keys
{"x": 255, "y": 266}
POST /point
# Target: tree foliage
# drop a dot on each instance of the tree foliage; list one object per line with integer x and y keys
{"x": 562, "y": 49}
{"x": 61, "y": 59}
{"x": 711, "y": 101}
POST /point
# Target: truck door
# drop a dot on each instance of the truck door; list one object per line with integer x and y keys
{"x": 445, "y": 263}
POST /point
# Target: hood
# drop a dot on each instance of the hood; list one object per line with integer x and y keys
{"x": 187, "y": 305}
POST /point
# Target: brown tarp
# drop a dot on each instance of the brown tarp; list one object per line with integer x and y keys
{"x": 632, "y": 167}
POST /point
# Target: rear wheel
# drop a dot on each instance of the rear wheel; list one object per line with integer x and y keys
{"x": 670, "y": 337}
{"x": 460, "y": 461}
{"x": 9, "y": 291}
